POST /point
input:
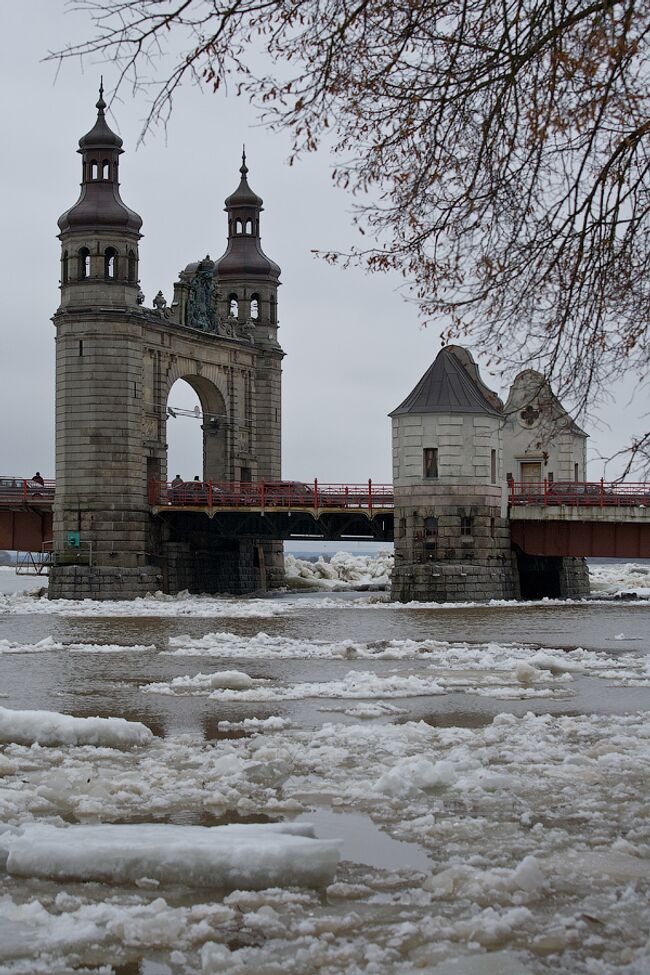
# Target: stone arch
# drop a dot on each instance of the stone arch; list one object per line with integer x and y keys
{"x": 217, "y": 465}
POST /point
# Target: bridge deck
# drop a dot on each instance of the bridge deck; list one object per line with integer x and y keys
{"x": 561, "y": 518}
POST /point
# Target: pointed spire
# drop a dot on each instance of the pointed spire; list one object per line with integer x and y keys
{"x": 101, "y": 104}
{"x": 243, "y": 168}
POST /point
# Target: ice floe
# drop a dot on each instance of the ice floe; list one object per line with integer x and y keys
{"x": 157, "y": 605}
{"x": 355, "y": 684}
{"x": 227, "y": 857}
{"x": 52, "y": 728}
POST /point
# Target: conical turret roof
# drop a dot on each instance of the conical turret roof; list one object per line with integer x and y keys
{"x": 446, "y": 387}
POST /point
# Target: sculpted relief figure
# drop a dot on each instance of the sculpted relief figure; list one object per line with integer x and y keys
{"x": 201, "y": 305}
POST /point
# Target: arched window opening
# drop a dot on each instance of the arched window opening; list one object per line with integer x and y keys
{"x": 110, "y": 263}
{"x": 64, "y": 269}
{"x": 132, "y": 267}
{"x": 255, "y": 306}
{"x": 238, "y": 226}
{"x": 233, "y": 306}
{"x": 94, "y": 169}
{"x": 106, "y": 169}
{"x": 249, "y": 226}
{"x": 273, "y": 310}
{"x": 84, "y": 263}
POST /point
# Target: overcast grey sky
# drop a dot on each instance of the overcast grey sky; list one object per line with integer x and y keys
{"x": 354, "y": 345}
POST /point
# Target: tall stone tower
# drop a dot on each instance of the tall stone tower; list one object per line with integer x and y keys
{"x": 248, "y": 283}
{"x": 118, "y": 529}
{"x": 452, "y": 540}
{"x": 100, "y": 511}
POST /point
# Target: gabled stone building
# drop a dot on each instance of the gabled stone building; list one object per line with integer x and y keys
{"x": 452, "y": 441}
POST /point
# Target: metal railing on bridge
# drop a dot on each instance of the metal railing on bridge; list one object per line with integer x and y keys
{"x": 26, "y": 490}
{"x": 580, "y": 493}
{"x": 271, "y": 494}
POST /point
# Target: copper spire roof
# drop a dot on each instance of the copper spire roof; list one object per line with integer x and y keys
{"x": 244, "y": 256}
{"x": 446, "y": 387}
{"x": 100, "y": 136}
{"x": 100, "y": 205}
{"x": 243, "y": 195}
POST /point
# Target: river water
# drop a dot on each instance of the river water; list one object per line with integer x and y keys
{"x": 485, "y": 768}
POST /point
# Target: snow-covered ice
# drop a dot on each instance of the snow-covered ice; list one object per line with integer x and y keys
{"x": 52, "y": 728}
{"x": 228, "y": 857}
{"x": 342, "y": 571}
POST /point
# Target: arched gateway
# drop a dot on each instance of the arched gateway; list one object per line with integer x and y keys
{"x": 116, "y": 361}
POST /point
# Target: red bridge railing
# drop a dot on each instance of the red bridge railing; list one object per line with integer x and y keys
{"x": 581, "y": 493}
{"x": 270, "y": 494}
{"x": 26, "y": 490}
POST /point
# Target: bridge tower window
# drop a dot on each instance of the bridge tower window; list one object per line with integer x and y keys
{"x": 106, "y": 169}
{"x": 233, "y": 306}
{"x": 94, "y": 169}
{"x": 132, "y": 267}
{"x": 430, "y": 462}
{"x": 110, "y": 263}
{"x": 255, "y": 306}
{"x": 84, "y": 263}
{"x": 249, "y": 227}
{"x": 238, "y": 226}
{"x": 576, "y": 472}
{"x": 466, "y": 525}
{"x": 273, "y": 310}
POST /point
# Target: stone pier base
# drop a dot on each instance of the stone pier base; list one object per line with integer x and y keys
{"x": 455, "y": 582}
{"x": 102, "y": 582}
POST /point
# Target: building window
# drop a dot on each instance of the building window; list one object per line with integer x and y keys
{"x": 81, "y": 346}
{"x": 273, "y": 310}
{"x": 466, "y": 525}
{"x": 576, "y": 472}
{"x": 238, "y": 226}
{"x": 110, "y": 263}
{"x": 233, "y": 306}
{"x": 509, "y": 477}
{"x": 430, "y": 462}
{"x": 493, "y": 466}
{"x": 106, "y": 169}
{"x": 132, "y": 267}
{"x": 84, "y": 263}
{"x": 255, "y": 306}
{"x": 249, "y": 226}
{"x": 94, "y": 169}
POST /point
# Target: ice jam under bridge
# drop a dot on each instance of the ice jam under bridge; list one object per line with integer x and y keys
{"x": 594, "y": 518}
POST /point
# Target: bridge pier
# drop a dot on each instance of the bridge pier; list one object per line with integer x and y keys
{"x": 200, "y": 561}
